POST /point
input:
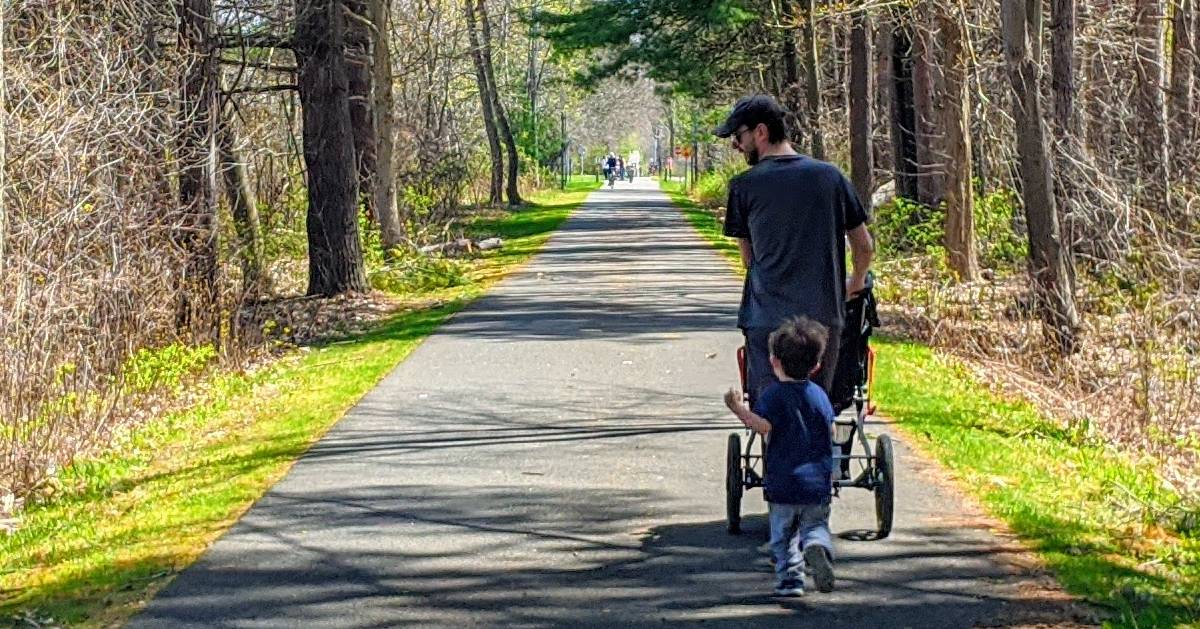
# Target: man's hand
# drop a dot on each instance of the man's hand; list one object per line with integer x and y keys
{"x": 854, "y": 286}
{"x": 862, "y": 249}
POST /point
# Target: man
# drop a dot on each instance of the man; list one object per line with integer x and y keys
{"x": 791, "y": 215}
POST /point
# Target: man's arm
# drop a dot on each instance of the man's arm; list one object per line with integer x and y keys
{"x": 744, "y": 249}
{"x": 862, "y": 250}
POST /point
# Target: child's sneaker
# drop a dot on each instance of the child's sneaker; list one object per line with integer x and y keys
{"x": 789, "y": 587}
{"x": 816, "y": 560}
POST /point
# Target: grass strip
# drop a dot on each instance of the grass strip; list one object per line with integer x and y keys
{"x": 119, "y": 527}
{"x": 1104, "y": 524}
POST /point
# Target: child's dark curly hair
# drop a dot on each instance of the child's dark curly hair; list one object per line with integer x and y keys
{"x": 798, "y": 344}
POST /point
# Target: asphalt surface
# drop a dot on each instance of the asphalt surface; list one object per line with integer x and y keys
{"x": 554, "y": 456}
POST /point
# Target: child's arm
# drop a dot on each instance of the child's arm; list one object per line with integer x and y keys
{"x": 733, "y": 399}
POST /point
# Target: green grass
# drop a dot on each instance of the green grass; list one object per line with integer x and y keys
{"x": 119, "y": 527}
{"x": 1104, "y": 524}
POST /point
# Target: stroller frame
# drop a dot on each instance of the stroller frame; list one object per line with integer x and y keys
{"x": 852, "y": 406}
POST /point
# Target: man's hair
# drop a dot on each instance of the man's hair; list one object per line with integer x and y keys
{"x": 798, "y": 344}
{"x": 776, "y": 129}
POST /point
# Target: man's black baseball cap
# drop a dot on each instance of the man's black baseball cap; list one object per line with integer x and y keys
{"x": 750, "y": 112}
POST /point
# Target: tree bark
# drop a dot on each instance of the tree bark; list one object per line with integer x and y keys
{"x": 1067, "y": 143}
{"x": 335, "y": 262}
{"x": 790, "y": 94}
{"x": 242, "y": 205}
{"x": 671, "y": 136}
{"x": 3, "y": 125}
{"x": 929, "y": 179}
{"x": 812, "y": 79}
{"x": 1183, "y": 58}
{"x": 1048, "y": 258}
{"x": 1096, "y": 78}
{"x": 194, "y": 232}
{"x": 496, "y": 184}
{"x": 883, "y": 87}
{"x": 1153, "y": 189}
{"x": 1195, "y": 30}
{"x": 382, "y": 105}
{"x": 1062, "y": 68}
{"x": 512, "y": 188}
{"x": 861, "y": 168}
{"x": 362, "y": 119}
{"x": 903, "y": 119}
{"x": 954, "y": 164}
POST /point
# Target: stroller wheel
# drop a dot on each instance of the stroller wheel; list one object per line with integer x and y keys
{"x": 733, "y": 484}
{"x": 885, "y": 484}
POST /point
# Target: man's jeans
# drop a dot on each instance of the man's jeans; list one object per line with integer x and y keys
{"x": 794, "y": 528}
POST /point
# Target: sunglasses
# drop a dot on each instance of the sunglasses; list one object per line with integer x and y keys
{"x": 737, "y": 135}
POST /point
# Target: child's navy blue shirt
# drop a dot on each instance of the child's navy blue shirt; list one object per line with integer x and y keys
{"x": 799, "y": 456}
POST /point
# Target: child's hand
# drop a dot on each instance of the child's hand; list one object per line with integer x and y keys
{"x": 733, "y": 399}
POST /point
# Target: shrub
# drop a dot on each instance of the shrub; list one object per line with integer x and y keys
{"x": 903, "y": 227}
{"x": 712, "y": 189}
{"x": 1001, "y": 244}
{"x": 164, "y": 368}
{"x": 411, "y": 271}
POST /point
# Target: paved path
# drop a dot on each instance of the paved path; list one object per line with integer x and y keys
{"x": 554, "y": 456}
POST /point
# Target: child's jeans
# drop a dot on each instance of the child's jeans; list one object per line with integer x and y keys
{"x": 794, "y": 528}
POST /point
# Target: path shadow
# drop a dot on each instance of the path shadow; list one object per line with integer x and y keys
{"x": 314, "y": 559}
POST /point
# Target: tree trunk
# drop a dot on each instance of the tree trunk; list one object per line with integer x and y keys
{"x": 511, "y": 188}
{"x": 382, "y": 105}
{"x": 929, "y": 180}
{"x": 158, "y": 120}
{"x": 1067, "y": 145}
{"x": 954, "y": 158}
{"x": 882, "y": 86}
{"x": 812, "y": 79}
{"x": 861, "y": 168}
{"x": 1195, "y": 30}
{"x": 1151, "y": 128}
{"x": 790, "y": 94}
{"x": 495, "y": 190}
{"x": 671, "y": 136}
{"x": 362, "y": 119}
{"x": 1062, "y": 69}
{"x": 3, "y": 135}
{"x": 903, "y": 119}
{"x": 242, "y": 205}
{"x": 1048, "y": 258}
{"x": 1183, "y": 53}
{"x": 194, "y": 232}
{"x": 532, "y": 90}
{"x": 335, "y": 263}
{"x": 1096, "y": 79}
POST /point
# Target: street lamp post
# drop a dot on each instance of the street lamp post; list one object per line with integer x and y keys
{"x": 657, "y": 163}
{"x": 562, "y": 121}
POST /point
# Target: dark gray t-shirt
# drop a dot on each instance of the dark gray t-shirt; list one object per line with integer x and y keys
{"x": 795, "y": 210}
